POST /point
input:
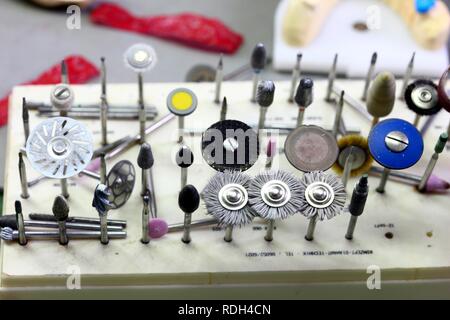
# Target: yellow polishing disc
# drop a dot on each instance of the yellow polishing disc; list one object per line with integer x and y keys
{"x": 182, "y": 100}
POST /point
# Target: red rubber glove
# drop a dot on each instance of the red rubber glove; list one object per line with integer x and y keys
{"x": 79, "y": 69}
{"x": 187, "y": 28}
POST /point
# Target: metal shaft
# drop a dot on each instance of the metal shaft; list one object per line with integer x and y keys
{"x": 145, "y": 220}
{"x": 69, "y": 225}
{"x": 23, "y": 178}
{"x": 375, "y": 120}
{"x": 151, "y": 188}
{"x": 102, "y": 169}
{"x": 383, "y": 181}
{"x": 269, "y": 232}
{"x": 187, "y": 228}
{"x": 295, "y": 77}
{"x": 428, "y": 171}
{"x": 228, "y": 234}
{"x": 71, "y": 234}
{"x": 351, "y": 227}
{"x": 348, "y": 166}
{"x": 134, "y": 140}
{"x": 144, "y": 181}
{"x": 104, "y": 120}
{"x": 262, "y": 118}
{"x": 397, "y": 174}
{"x": 184, "y": 173}
{"x": 338, "y": 117}
{"x": 180, "y": 129}
{"x": 104, "y": 228}
{"x": 112, "y": 223}
{"x": 331, "y": 78}
{"x": 176, "y": 227}
{"x": 142, "y": 116}
{"x": 63, "y": 239}
{"x": 256, "y": 76}
{"x": 353, "y": 103}
{"x": 369, "y": 77}
{"x": 301, "y": 115}
{"x": 21, "y": 229}
{"x": 407, "y": 76}
{"x": 64, "y": 189}
{"x": 219, "y": 79}
{"x": 311, "y": 228}
{"x": 448, "y": 129}
{"x": 417, "y": 120}
{"x": 25, "y": 119}
{"x": 269, "y": 162}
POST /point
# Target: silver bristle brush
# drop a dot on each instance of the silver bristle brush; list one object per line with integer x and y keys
{"x": 322, "y": 196}
{"x": 275, "y": 195}
{"x": 226, "y": 199}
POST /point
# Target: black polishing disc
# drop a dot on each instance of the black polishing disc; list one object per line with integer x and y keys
{"x": 230, "y": 145}
{"x": 421, "y": 96}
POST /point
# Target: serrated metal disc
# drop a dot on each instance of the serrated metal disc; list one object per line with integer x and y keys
{"x": 311, "y": 148}
{"x": 59, "y": 147}
{"x": 120, "y": 181}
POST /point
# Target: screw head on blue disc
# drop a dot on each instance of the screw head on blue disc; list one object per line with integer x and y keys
{"x": 395, "y": 144}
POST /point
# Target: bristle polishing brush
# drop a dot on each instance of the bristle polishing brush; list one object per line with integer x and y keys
{"x": 226, "y": 199}
{"x": 275, "y": 195}
{"x": 354, "y": 157}
{"x": 322, "y": 196}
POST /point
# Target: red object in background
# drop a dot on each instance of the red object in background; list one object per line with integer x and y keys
{"x": 80, "y": 70}
{"x": 187, "y": 28}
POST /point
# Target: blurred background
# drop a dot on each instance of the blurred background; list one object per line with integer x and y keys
{"x": 36, "y": 37}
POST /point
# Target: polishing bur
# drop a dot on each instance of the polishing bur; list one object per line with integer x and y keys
{"x": 433, "y": 185}
{"x": 369, "y": 76}
{"x": 357, "y": 204}
{"x": 23, "y": 178}
{"x": 381, "y": 96}
{"x": 219, "y": 79}
{"x": 296, "y": 72}
{"x": 60, "y": 210}
{"x": 303, "y": 98}
{"x": 264, "y": 97}
{"x": 25, "y": 119}
{"x": 440, "y": 145}
{"x": 257, "y": 62}
{"x": 188, "y": 201}
{"x": 159, "y": 227}
{"x": 20, "y": 223}
{"x": 184, "y": 159}
{"x": 145, "y": 162}
{"x": 224, "y": 109}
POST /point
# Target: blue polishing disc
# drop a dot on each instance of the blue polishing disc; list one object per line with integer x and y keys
{"x": 395, "y": 159}
{"x": 424, "y": 6}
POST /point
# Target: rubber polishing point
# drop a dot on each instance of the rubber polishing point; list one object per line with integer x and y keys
{"x": 94, "y": 165}
{"x": 157, "y": 228}
{"x": 424, "y": 6}
{"x": 271, "y": 147}
{"x": 436, "y": 184}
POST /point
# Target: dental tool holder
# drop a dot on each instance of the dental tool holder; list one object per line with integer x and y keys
{"x": 419, "y": 249}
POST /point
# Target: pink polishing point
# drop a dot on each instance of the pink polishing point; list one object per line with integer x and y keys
{"x": 157, "y": 228}
{"x": 271, "y": 148}
{"x": 436, "y": 184}
{"x": 94, "y": 165}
